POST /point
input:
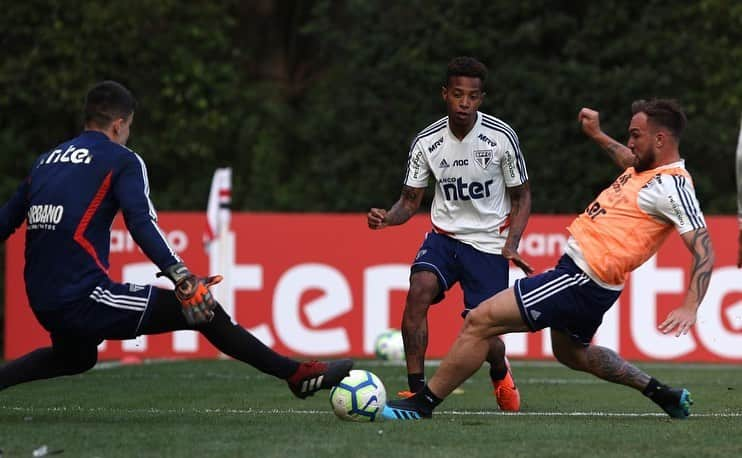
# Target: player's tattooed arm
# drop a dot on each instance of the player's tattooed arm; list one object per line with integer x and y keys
{"x": 620, "y": 154}
{"x": 683, "y": 318}
{"x": 408, "y": 203}
{"x": 520, "y": 210}
{"x": 699, "y": 244}
{"x": 590, "y": 122}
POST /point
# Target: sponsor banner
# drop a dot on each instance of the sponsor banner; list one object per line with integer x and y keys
{"x": 325, "y": 285}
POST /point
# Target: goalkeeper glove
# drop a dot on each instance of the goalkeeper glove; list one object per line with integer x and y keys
{"x": 193, "y": 293}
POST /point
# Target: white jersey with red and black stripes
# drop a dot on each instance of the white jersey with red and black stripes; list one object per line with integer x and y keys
{"x": 471, "y": 202}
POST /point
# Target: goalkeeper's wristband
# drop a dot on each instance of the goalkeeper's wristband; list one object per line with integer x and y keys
{"x": 176, "y": 272}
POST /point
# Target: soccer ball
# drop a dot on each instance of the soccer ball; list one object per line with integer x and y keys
{"x": 389, "y": 345}
{"x": 358, "y": 397}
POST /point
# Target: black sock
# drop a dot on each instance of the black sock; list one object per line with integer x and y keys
{"x": 416, "y": 382}
{"x": 658, "y": 392}
{"x": 498, "y": 373}
{"x": 237, "y": 342}
{"x": 164, "y": 315}
{"x": 427, "y": 400}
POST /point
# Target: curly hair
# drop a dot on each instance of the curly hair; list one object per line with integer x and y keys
{"x": 465, "y": 66}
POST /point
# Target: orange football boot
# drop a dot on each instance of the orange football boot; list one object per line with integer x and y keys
{"x": 507, "y": 394}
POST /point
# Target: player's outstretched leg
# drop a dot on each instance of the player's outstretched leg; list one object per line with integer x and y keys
{"x": 230, "y": 338}
{"x": 313, "y": 376}
{"x": 608, "y": 365}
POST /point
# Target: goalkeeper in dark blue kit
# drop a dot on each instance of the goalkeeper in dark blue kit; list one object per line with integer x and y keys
{"x": 68, "y": 201}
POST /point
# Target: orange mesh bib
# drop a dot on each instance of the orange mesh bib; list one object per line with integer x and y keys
{"x": 614, "y": 234}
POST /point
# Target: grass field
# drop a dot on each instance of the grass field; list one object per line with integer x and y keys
{"x": 227, "y": 409}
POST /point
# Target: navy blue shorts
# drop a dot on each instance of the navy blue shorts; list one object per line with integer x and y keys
{"x": 114, "y": 311}
{"x": 482, "y": 275}
{"x": 565, "y": 299}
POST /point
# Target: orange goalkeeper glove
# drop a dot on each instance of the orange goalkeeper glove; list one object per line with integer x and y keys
{"x": 193, "y": 293}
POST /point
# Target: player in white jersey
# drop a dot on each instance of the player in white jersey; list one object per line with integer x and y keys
{"x": 481, "y": 207}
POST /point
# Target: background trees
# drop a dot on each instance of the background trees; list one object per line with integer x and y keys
{"x": 314, "y": 102}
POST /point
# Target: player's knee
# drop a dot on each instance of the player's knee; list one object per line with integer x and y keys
{"x": 478, "y": 323}
{"x": 422, "y": 292}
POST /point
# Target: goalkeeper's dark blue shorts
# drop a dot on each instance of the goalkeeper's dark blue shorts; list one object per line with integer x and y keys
{"x": 115, "y": 311}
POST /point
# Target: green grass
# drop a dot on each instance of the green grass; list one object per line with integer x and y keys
{"x": 227, "y": 409}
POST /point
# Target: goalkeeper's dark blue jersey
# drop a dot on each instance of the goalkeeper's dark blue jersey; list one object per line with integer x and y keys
{"x": 69, "y": 201}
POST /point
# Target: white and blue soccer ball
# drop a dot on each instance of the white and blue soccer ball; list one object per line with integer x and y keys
{"x": 389, "y": 345}
{"x": 358, "y": 397}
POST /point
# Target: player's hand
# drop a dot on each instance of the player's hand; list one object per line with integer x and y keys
{"x": 196, "y": 299}
{"x": 589, "y": 121}
{"x": 377, "y": 218}
{"x": 680, "y": 320}
{"x": 513, "y": 256}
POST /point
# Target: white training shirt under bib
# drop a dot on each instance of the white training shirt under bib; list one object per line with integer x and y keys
{"x": 471, "y": 203}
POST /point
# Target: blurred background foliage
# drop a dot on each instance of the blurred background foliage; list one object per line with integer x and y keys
{"x": 314, "y": 102}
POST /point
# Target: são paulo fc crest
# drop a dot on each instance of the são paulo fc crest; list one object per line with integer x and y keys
{"x": 483, "y": 157}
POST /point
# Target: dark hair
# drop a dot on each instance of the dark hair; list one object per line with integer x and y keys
{"x": 665, "y": 113}
{"x": 465, "y": 66}
{"x": 107, "y": 101}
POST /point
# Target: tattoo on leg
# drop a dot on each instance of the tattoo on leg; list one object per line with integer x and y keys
{"x": 606, "y": 364}
{"x": 419, "y": 341}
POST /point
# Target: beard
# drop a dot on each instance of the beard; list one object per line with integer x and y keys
{"x": 644, "y": 162}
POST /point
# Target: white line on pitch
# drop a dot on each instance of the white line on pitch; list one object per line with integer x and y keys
{"x": 480, "y": 413}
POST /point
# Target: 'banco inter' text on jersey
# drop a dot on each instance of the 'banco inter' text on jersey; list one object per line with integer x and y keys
{"x": 69, "y": 201}
{"x": 471, "y": 203}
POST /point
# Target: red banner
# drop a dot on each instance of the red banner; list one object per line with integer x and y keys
{"x": 324, "y": 284}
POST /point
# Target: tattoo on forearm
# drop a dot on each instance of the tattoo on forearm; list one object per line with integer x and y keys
{"x": 520, "y": 210}
{"x": 702, "y": 262}
{"x": 606, "y": 364}
{"x": 613, "y": 149}
{"x": 409, "y": 194}
{"x": 404, "y": 208}
{"x": 515, "y": 232}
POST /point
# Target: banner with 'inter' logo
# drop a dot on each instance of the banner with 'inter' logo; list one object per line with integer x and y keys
{"x": 325, "y": 285}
